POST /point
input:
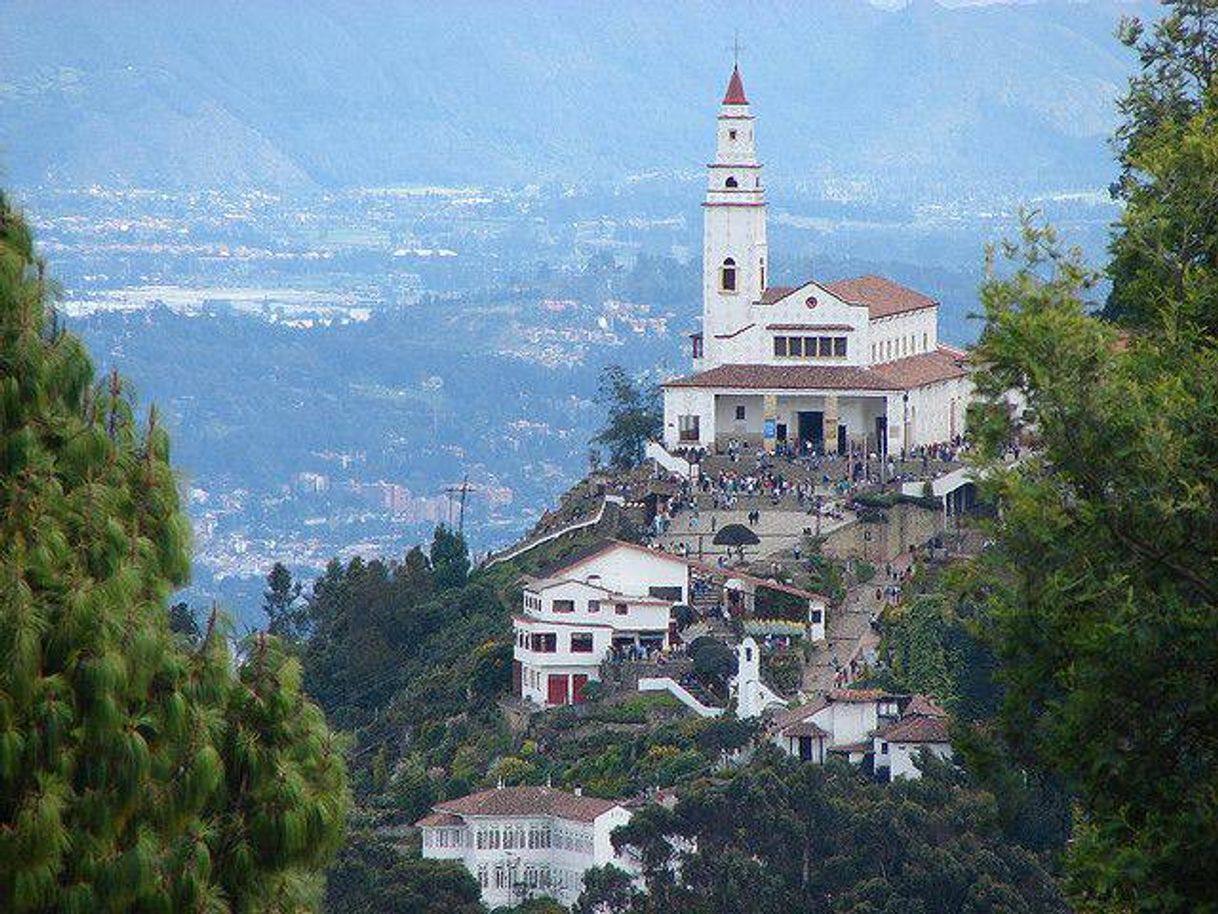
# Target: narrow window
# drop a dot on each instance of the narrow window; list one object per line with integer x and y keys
{"x": 727, "y": 275}
{"x": 826, "y": 347}
{"x": 594, "y": 606}
{"x": 809, "y": 346}
{"x": 795, "y": 346}
{"x": 780, "y": 345}
{"x": 839, "y": 346}
{"x": 730, "y": 182}
{"x": 687, "y": 428}
{"x": 740, "y": 413}
{"x": 731, "y": 134}
{"x": 925, "y": 342}
{"x": 761, "y": 270}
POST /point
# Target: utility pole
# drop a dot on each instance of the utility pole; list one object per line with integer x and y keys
{"x": 461, "y": 491}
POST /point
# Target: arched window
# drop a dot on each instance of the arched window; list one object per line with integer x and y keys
{"x": 727, "y": 276}
{"x": 730, "y": 182}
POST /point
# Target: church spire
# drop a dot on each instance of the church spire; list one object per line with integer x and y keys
{"x": 735, "y": 89}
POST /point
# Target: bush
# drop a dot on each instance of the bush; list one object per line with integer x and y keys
{"x": 864, "y": 571}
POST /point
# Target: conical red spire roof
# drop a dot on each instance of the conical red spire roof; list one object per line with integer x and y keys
{"x": 735, "y": 90}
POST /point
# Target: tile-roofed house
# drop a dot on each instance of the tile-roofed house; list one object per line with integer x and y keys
{"x": 881, "y": 296}
{"x": 923, "y": 727}
{"x": 832, "y": 367}
{"x": 523, "y": 842}
{"x": 612, "y": 599}
{"x": 525, "y": 801}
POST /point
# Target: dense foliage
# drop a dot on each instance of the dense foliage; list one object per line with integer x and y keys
{"x": 635, "y": 416}
{"x": 135, "y": 774}
{"x": 784, "y": 836}
{"x": 1103, "y": 585}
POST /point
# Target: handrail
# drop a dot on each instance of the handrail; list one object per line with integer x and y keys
{"x": 524, "y": 547}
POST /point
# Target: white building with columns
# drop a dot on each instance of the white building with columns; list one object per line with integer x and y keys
{"x": 526, "y": 842}
{"x": 822, "y": 365}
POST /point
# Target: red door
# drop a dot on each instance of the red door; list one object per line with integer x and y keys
{"x": 556, "y": 693}
{"x": 578, "y": 681}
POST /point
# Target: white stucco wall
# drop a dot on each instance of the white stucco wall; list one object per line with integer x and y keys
{"x": 692, "y": 401}
{"x": 903, "y": 757}
{"x": 903, "y": 335}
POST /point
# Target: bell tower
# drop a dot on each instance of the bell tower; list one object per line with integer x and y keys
{"x": 734, "y": 253}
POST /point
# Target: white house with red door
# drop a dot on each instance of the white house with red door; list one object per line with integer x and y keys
{"x": 615, "y": 599}
{"x": 832, "y": 366}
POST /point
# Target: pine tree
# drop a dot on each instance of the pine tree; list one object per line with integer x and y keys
{"x": 115, "y": 742}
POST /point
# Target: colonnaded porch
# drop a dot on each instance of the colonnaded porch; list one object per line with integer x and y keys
{"x": 819, "y": 422}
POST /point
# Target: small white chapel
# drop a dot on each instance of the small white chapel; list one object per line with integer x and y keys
{"x": 832, "y": 367}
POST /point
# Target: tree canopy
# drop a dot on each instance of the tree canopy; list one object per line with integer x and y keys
{"x": 634, "y": 417}
{"x": 1102, "y": 588}
{"x": 136, "y": 773}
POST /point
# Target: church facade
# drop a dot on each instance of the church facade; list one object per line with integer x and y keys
{"x": 830, "y": 367}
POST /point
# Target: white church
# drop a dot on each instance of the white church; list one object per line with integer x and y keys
{"x": 853, "y": 364}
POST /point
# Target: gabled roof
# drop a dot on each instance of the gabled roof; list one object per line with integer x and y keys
{"x": 735, "y": 90}
{"x": 851, "y": 748}
{"x": 772, "y": 294}
{"x": 860, "y": 695}
{"x": 527, "y": 801}
{"x": 922, "y": 706}
{"x": 882, "y": 296}
{"x": 439, "y": 819}
{"x": 598, "y": 548}
{"x": 805, "y": 728}
{"x": 916, "y": 729}
{"x": 798, "y": 715}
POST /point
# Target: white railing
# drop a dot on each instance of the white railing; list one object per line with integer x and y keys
{"x": 942, "y": 485}
{"x": 679, "y": 692}
{"x": 670, "y": 461}
{"x": 555, "y": 534}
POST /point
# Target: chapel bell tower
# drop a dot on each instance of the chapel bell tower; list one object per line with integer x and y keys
{"x": 734, "y": 253}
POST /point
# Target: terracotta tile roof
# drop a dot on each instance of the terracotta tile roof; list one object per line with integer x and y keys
{"x": 855, "y": 695}
{"x": 735, "y": 90}
{"x": 914, "y": 371}
{"x": 883, "y": 297}
{"x": 527, "y": 801}
{"x": 806, "y": 728}
{"x": 439, "y": 819}
{"x": 944, "y": 364}
{"x": 921, "y": 705}
{"x": 787, "y": 377}
{"x": 798, "y": 715}
{"x": 776, "y": 293}
{"x": 753, "y": 579}
{"x": 852, "y": 747}
{"x": 917, "y": 729}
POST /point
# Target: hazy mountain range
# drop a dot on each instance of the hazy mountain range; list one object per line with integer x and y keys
{"x": 924, "y": 100}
